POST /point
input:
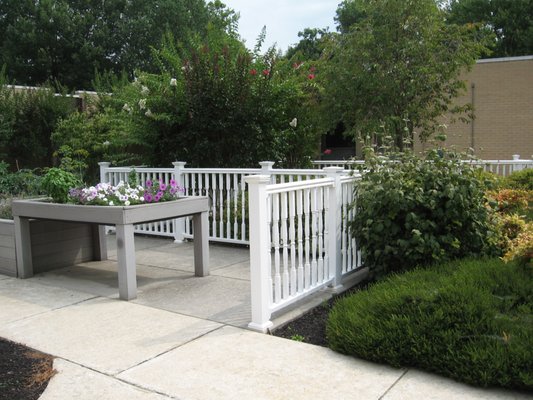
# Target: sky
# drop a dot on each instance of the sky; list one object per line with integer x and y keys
{"x": 283, "y": 19}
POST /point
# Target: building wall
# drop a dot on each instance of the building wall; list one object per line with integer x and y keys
{"x": 501, "y": 91}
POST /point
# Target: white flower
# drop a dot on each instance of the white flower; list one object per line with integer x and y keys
{"x": 106, "y": 143}
{"x": 110, "y": 203}
{"x": 141, "y": 198}
{"x": 144, "y": 90}
{"x": 294, "y": 122}
{"x": 126, "y": 107}
{"x": 142, "y": 104}
{"x": 127, "y": 203}
{"x": 148, "y": 113}
{"x": 173, "y": 82}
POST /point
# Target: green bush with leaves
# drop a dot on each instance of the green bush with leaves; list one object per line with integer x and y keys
{"x": 27, "y": 120}
{"x": 19, "y": 184}
{"x": 521, "y": 180}
{"x": 415, "y": 211}
{"x": 57, "y": 184}
{"x": 469, "y": 320}
{"x": 214, "y": 104}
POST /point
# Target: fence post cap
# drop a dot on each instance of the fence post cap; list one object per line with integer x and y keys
{"x": 104, "y": 163}
{"x": 257, "y": 179}
{"x": 267, "y": 164}
{"x": 179, "y": 163}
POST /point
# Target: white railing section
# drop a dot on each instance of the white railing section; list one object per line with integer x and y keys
{"x": 299, "y": 241}
{"x": 498, "y": 167}
{"x": 224, "y": 186}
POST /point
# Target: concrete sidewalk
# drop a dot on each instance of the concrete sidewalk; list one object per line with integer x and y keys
{"x": 183, "y": 338}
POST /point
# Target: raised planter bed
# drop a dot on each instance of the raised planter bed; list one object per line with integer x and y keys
{"x": 123, "y": 217}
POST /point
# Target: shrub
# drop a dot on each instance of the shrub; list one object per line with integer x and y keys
{"x": 469, "y": 320}
{"x": 509, "y": 201}
{"x": 57, "y": 184}
{"x": 416, "y": 211}
{"x": 520, "y": 249}
{"x": 27, "y": 119}
{"x": 520, "y": 180}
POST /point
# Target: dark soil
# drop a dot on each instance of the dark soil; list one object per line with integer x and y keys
{"x": 311, "y": 326}
{"x": 24, "y": 372}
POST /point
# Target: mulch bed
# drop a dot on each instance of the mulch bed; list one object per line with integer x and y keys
{"x": 24, "y": 372}
{"x": 311, "y": 326}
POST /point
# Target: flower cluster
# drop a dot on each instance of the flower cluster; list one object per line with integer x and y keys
{"x": 123, "y": 194}
{"x": 157, "y": 191}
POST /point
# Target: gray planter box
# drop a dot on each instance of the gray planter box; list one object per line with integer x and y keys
{"x": 54, "y": 244}
{"x": 123, "y": 217}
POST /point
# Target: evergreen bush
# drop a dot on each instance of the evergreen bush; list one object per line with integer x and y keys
{"x": 469, "y": 320}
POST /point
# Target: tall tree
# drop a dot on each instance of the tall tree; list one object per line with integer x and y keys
{"x": 396, "y": 69}
{"x": 510, "y": 21}
{"x": 67, "y": 40}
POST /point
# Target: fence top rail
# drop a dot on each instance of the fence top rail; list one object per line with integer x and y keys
{"x": 138, "y": 169}
{"x": 222, "y": 170}
{"x": 299, "y": 185}
{"x": 350, "y": 178}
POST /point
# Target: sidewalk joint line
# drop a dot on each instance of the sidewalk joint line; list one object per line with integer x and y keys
{"x": 394, "y": 384}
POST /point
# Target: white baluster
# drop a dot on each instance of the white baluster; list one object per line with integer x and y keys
{"x": 301, "y": 283}
{"x": 275, "y": 242}
{"x": 314, "y": 236}
{"x": 292, "y": 236}
{"x": 285, "y": 243}
{"x": 228, "y": 207}
{"x": 307, "y": 232}
{"x": 320, "y": 206}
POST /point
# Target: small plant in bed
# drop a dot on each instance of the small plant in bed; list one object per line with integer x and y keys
{"x": 470, "y": 320}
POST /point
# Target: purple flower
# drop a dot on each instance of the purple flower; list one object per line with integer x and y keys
{"x": 173, "y": 190}
{"x": 162, "y": 186}
{"x": 157, "y": 198}
{"x": 173, "y": 183}
{"x": 148, "y": 183}
{"x": 148, "y": 197}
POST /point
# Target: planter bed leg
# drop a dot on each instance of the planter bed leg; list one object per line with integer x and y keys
{"x": 127, "y": 275}
{"x": 201, "y": 244}
{"x": 23, "y": 247}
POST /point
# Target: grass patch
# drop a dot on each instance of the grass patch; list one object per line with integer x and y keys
{"x": 470, "y": 320}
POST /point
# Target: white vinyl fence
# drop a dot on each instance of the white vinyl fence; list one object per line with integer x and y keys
{"x": 225, "y": 188}
{"x": 299, "y": 239}
{"x": 498, "y": 167}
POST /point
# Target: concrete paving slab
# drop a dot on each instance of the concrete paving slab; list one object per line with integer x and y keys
{"x": 141, "y": 243}
{"x": 73, "y": 381}
{"x": 220, "y": 255}
{"x": 2, "y": 276}
{"x": 212, "y": 297}
{"x": 422, "y": 385}
{"x": 107, "y": 335}
{"x": 238, "y": 271}
{"x": 23, "y": 298}
{"x": 233, "y": 363}
{"x": 101, "y": 278}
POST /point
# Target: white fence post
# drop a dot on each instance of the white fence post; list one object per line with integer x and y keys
{"x": 259, "y": 252}
{"x": 334, "y": 226}
{"x": 179, "y": 223}
{"x": 104, "y": 165}
{"x": 266, "y": 169}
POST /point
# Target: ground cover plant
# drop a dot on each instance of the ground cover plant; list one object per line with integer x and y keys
{"x": 469, "y": 320}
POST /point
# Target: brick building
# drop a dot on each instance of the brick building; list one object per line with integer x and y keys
{"x": 501, "y": 90}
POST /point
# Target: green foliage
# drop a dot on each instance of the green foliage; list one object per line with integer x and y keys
{"x": 18, "y": 184}
{"x": 395, "y": 68}
{"x": 519, "y": 180}
{"x": 68, "y": 40}
{"x": 210, "y": 105}
{"x": 57, "y": 184}
{"x": 469, "y": 320}
{"x": 27, "y": 119}
{"x": 415, "y": 211}
{"x": 508, "y": 21}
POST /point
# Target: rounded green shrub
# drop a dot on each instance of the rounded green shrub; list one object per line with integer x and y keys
{"x": 520, "y": 180}
{"x": 469, "y": 320}
{"x": 57, "y": 184}
{"x": 416, "y": 211}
